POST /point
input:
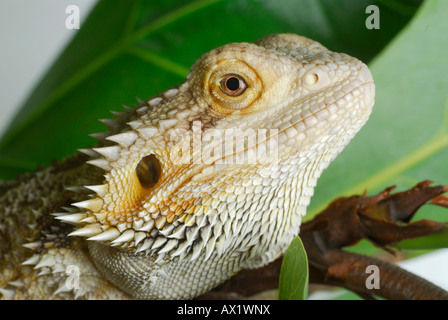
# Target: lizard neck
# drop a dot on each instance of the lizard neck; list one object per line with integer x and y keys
{"x": 256, "y": 232}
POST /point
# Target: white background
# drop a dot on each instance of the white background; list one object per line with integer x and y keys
{"x": 33, "y": 33}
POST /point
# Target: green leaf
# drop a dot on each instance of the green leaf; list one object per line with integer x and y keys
{"x": 406, "y": 139}
{"x": 293, "y": 283}
{"x": 130, "y": 49}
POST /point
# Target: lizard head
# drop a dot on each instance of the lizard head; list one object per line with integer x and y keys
{"x": 228, "y": 160}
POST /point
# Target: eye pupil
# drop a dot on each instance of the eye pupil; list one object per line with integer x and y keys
{"x": 233, "y": 85}
{"x": 148, "y": 171}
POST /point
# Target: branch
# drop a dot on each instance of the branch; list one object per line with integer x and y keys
{"x": 348, "y": 270}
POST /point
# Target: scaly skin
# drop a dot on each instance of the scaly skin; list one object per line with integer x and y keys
{"x": 156, "y": 214}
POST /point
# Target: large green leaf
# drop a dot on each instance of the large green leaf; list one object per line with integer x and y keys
{"x": 131, "y": 48}
{"x": 406, "y": 139}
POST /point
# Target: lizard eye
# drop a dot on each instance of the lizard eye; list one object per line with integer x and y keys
{"x": 149, "y": 171}
{"x": 233, "y": 85}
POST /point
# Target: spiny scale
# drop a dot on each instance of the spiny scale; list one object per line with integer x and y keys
{"x": 125, "y": 139}
{"x": 108, "y": 235}
{"x": 89, "y": 230}
{"x": 110, "y": 153}
{"x": 93, "y": 205}
{"x": 100, "y": 190}
{"x": 100, "y": 163}
{"x": 73, "y": 218}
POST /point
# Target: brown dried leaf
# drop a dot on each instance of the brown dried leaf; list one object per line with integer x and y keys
{"x": 383, "y": 219}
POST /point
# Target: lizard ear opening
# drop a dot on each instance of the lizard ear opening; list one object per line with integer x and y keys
{"x": 149, "y": 171}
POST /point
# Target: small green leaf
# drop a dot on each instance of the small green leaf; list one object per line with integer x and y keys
{"x": 293, "y": 283}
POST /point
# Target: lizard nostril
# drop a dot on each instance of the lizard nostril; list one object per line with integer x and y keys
{"x": 149, "y": 171}
{"x": 311, "y": 78}
{"x": 316, "y": 78}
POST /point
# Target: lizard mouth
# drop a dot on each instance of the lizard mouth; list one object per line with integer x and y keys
{"x": 344, "y": 105}
{"x": 324, "y": 116}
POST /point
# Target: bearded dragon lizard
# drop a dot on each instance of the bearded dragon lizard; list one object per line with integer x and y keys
{"x": 163, "y": 207}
